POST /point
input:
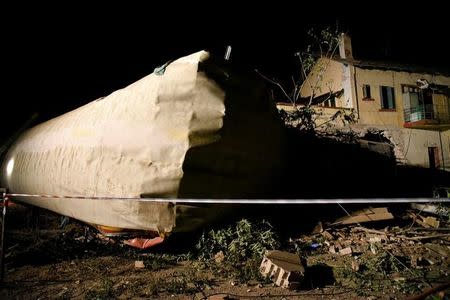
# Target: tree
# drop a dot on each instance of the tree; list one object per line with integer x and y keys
{"x": 313, "y": 63}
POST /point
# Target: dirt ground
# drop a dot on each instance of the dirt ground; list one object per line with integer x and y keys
{"x": 72, "y": 263}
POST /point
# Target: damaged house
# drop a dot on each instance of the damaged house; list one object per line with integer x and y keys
{"x": 409, "y": 104}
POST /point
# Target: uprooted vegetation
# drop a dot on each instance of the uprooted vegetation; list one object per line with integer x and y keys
{"x": 238, "y": 249}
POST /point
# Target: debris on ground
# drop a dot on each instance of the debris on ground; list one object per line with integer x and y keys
{"x": 219, "y": 257}
{"x": 139, "y": 264}
{"x": 345, "y": 251}
{"x": 439, "y": 210}
{"x": 222, "y": 297}
{"x": 366, "y": 215}
{"x": 396, "y": 258}
{"x": 426, "y": 222}
{"x": 283, "y": 268}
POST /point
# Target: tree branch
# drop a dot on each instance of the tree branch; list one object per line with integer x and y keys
{"x": 277, "y": 84}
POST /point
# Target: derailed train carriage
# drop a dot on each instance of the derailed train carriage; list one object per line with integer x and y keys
{"x": 194, "y": 128}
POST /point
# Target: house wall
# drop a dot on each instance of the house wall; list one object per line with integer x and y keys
{"x": 328, "y": 75}
{"x": 370, "y": 111}
{"x": 411, "y": 145}
{"x": 441, "y": 105}
{"x": 416, "y": 143}
{"x": 445, "y": 137}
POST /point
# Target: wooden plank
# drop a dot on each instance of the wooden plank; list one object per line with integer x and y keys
{"x": 366, "y": 215}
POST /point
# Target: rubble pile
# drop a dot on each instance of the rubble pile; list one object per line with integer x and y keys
{"x": 406, "y": 255}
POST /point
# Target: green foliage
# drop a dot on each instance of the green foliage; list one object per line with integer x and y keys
{"x": 307, "y": 59}
{"x": 239, "y": 242}
{"x": 303, "y": 118}
{"x": 382, "y": 264}
{"x": 323, "y": 43}
{"x": 243, "y": 246}
{"x": 306, "y": 117}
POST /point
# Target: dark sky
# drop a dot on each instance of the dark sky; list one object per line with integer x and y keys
{"x": 57, "y": 58}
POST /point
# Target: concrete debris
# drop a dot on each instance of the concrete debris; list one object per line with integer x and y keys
{"x": 379, "y": 238}
{"x": 327, "y": 235}
{"x": 318, "y": 228}
{"x": 355, "y": 265}
{"x": 373, "y": 249}
{"x": 431, "y": 208}
{"x": 139, "y": 264}
{"x": 399, "y": 252}
{"x": 346, "y": 251}
{"x": 221, "y": 297}
{"x": 442, "y": 250}
{"x": 431, "y": 221}
{"x": 283, "y": 268}
{"x": 219, "y": 257}
{"x": 414, "y": 261}
{"x": 375, "y": 239}
{"x": 426, "y": 222}
{"x": 357, "y": 240}
{"x": 397, "y": 279}
{"x": 431, "y": 260}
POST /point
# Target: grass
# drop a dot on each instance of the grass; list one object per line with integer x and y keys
{"x": 189, "y": 282}
{"x": 105, "y": 291}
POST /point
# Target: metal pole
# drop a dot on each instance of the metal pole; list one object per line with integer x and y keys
{"x": 5, "y": 202}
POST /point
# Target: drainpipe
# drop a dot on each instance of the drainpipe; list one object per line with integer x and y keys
{"x": 440, "y": 137}
{"x": 442, "y": 151}
{"x": 356, "y": 91}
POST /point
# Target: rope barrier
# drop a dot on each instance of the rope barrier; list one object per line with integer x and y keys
{"x": 243, "y": 201}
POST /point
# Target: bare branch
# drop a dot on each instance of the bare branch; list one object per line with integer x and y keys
{"x": 306, "y": 78}
{"x": 294, "y": 90}
{"x": 277, "y": 84}
{"x": 322, "y": 70}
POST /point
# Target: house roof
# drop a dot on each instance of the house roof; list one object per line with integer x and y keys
{"x": 394, "y": 66}
{"x": 318, "y": 99}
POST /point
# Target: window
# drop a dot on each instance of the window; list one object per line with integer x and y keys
{"x": 387, "y": 97}
{"x": 366, "y": 91}
{"x": 409, "y": 89}
{"x": 330, "y": 102}
{"x": 433, "y": 157}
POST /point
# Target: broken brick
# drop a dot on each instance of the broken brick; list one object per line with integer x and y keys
{"x": 283, "y": 268}
{"x": 345, "y": 251}
{"x": 327, "y": 235}
{"x": 139, "y": 264}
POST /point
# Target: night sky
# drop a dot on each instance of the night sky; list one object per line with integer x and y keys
{"x": 58, "y": 58}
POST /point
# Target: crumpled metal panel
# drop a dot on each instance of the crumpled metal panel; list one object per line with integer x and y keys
{"x": 194, "y": 128}
{"x": 131, "y": 142}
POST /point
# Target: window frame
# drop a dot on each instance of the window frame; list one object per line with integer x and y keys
{"x": 367, "y": 96}
{"x": 385, "y": 99}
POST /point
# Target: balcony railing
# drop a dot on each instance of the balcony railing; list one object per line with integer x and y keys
{"x": 418, "y": 113}
{"x": 430, "y": 112}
